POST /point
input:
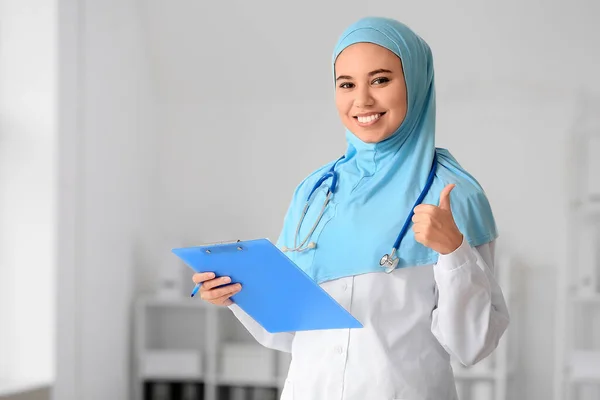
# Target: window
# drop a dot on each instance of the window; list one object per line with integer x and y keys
{"x": 27, "y": 190}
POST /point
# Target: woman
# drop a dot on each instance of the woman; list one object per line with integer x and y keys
{"x": 435, "y": 296}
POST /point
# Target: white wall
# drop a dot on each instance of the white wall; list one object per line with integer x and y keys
{"x": 106, "y": 170}
{"x": 27, "y": 189}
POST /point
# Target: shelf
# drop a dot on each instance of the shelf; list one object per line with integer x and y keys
{"x": 586, "y": 298}
{"x": 171, "y": 377}
{"x": 476, "y": 376}
{"x": 236, "y": 381}
{"x": 590, "y": 208}
{"x": 175, "y": 302}
{"x": 171, "y": 344}
{"x": 481, "y": 374}
{"x": 585, "y": 380}
{"x": 183, "y": 302}
{"x": 584, "y": 366}
{"x": 170, "y": 364}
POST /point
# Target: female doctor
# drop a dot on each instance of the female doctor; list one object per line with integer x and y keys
{"x": 433, "y": 295}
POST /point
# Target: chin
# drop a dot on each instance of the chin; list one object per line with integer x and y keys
{"x": 370, "y": 140}
{"x": 373, "y": 138}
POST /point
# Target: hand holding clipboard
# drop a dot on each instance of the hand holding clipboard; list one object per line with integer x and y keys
{"x": 276, "y": 292}
{"x": 215, "y": 290}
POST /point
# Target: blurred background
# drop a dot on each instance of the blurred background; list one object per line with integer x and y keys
{"x": 131, "y": 127}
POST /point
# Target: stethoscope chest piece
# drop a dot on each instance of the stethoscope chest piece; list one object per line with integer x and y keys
{"x": 389, "y": 263}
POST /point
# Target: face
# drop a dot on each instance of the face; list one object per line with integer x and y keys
{"x": 370, "y": 91}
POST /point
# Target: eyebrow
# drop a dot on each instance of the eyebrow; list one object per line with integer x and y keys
{"x": 377, "y": 71}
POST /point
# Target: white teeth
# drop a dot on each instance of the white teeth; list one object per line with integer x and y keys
{"x": 370, "y": 118}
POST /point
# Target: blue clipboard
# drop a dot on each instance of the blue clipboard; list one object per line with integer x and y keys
{"x": 276, "y": 293}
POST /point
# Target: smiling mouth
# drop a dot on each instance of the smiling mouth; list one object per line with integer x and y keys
{"x": 369, "y": 119}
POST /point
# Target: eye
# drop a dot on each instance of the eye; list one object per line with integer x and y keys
{"x": 381, "y": 80}
{"x": 347, "y": 85}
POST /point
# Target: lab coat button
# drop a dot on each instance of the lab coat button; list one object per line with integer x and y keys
{"x": 339, "y": 349}
{"x": 345, "y": 287}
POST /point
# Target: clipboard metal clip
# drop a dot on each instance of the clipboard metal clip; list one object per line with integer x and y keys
{"x": 208, "y": 251}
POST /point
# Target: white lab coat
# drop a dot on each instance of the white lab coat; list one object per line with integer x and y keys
{"x": 414, "y": 319}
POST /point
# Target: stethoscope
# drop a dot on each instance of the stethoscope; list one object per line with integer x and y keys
{"x": 389, "y": 261}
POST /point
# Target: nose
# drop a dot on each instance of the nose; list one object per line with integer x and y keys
{"x": 363, "y": 98}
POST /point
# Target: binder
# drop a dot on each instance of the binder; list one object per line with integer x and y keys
{"x": 276, "y": 293}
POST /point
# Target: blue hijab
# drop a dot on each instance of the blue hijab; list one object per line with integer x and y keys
{"x": 378, "y": 183}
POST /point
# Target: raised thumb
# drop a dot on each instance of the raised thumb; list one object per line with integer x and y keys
{"x": 445, "y": 197}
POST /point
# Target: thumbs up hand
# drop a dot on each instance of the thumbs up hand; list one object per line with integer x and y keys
{"x": 434, "y": 226}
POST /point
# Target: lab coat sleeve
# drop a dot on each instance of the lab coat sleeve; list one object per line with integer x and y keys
{"x": 277, "y": 341}
{"x": 471, "y": 314}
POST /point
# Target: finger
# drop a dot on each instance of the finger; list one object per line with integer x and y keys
{"x": 202, "y": 277}
{"x": 225, "y": 291}
{"x": 424, "y": 209}
{"x": 210, "y": 284}
{"x": 418, "y": 228}
{"x": 421, "y": 218}
{"x": 220, "y": 292}
{"x": 445, "y": 197}
{"x": 224, "y": 300}
{"x": 420, "y": 238}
